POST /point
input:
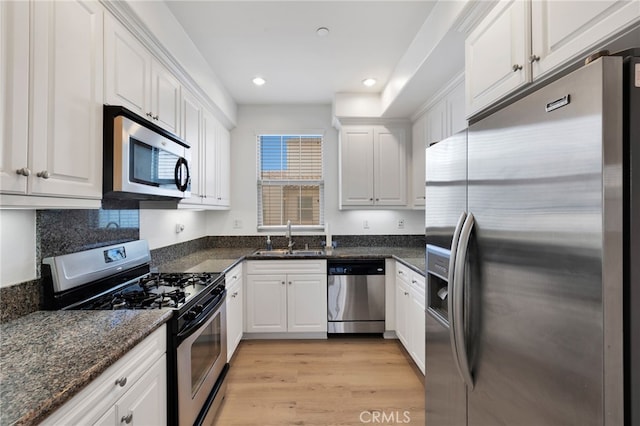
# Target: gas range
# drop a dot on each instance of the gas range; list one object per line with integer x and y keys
{"x": 119, "y": 277}
{"x": 155, "y": 291}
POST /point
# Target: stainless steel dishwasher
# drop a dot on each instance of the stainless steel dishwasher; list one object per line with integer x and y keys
{"x": 355, "y": 295}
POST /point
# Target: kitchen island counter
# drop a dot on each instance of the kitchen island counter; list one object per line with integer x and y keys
{"x": 49, "y": 356}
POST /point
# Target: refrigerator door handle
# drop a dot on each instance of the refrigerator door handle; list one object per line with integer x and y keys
{"x": 462, "y": 361}
{"x": 451, "y": 279}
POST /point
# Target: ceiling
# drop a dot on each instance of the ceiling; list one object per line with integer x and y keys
{"x": 277, "y": 40}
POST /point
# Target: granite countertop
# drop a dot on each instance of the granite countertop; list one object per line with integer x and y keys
{"x": 223, "y": 259}
{"x": 48, "y": 356}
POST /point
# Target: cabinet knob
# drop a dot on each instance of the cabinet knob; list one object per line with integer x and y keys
{"x": 121, "y": 381}
{"x": 282, "y": 282}
{"x": 155, "y": 117}
{"x": 44, "y": 174}
{"x": 234, "y": 294}
{"x": 406, "y": 293}
{"x": 149, "y": 115}
{"x": 534, "y": 58}
{"x": 516, "y": 67}
{"x": 127, "y": 419}
{"x": 25, "y": 171}
{"x": 289, "y": 282}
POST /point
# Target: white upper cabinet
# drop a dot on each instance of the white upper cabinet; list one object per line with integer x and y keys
{"x": 418, "y": 145}
{"x": 64, "y": 148}
{"x": 496, "y": 54}
{"x": 373, "y": 166}
{"x": 445, "y": 117}
{"x": 210, "y": 157}
{"x": 521, "y": 41}
{"x": 14, "y": 96}
{"x": 137, "y": 81}
{"x": 563, "y": 29}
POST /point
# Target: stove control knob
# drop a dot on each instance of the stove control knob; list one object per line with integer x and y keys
{"x": 198, "y": 309}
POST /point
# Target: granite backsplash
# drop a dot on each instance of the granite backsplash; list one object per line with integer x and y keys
{"x": 61, "y": 232}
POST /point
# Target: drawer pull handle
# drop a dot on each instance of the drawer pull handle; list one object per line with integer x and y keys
{"x": 127, "y": 419}
{"x": 121, "y": 381}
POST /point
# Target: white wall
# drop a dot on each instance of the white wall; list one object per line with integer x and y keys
{"x": 158, "y": 227}
{"x": 17, "y": 246}
{"x": 253, "y": 119}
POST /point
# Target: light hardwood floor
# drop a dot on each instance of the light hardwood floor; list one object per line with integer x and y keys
{"x": 338, "y": 381}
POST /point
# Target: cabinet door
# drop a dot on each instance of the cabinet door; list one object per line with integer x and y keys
{"x": 66, "y": 138}
{"x": 496, "y": 54}
{"x": 436, "y": 118}
{"x": 127, "y": 70}
{"x": 307, "y": 302}
{"x": 456, "y": 110}
{"x": 235, "y": 311}
{"x": 14, "y": 95}
{"x": 418, "y": 145}
{"x": 165, "y": 98}
{"x": 402, "y": 315}
{"x": 266, "y": 304}
{"x": 562, "y": 30}
{"x": 208, "y": 151}
{"x": 190, "y": 131}
{"x": 146, "y": 402}
{"x": 417, "y": 325}
{"x": 356, "y": 166}
{"x": 390, "y": 165}
{"x": 223, "y": 167}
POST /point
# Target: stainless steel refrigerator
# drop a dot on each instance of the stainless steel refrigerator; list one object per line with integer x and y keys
{"x": 533, "y": 258}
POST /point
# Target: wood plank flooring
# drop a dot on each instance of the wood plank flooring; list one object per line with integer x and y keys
{"x": 338, "y": 381}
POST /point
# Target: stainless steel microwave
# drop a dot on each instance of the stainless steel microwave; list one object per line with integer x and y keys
{"x": 142, "y": 161}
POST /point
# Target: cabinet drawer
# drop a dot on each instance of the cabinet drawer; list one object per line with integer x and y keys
{"x": 101, "y": 394}
{"x": 233, "y": 277}
{"x": 403, "y": 272}
{"x": 310, "y": 266}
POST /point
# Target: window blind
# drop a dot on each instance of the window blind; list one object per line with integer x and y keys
{"x": 290, "y": 181}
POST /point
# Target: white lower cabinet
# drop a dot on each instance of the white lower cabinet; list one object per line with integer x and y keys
{"x": 410, "y": 315}
{"x": 286, "y": 296}
{"x": 235, "y": 308}
{"x": 131, "y": 391}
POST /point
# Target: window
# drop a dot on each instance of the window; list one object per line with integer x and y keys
{"x": 290, "y": 184}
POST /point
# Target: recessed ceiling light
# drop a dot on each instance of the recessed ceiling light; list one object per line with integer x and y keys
{"x": 259, "y": 81}
{"x": 369, "y": 82}
{"x": 322, "y": 32}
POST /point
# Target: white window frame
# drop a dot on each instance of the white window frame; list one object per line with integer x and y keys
{"x": 284, "y": 182}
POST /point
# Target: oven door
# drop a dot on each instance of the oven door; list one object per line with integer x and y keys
{"x": 201, "y": 357}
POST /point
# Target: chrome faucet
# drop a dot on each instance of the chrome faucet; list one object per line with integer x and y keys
{"x": 288, "y": 235}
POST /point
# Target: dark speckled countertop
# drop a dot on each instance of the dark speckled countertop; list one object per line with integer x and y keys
{"x": 48, "y": 356}
{"x": 222, "y": 259}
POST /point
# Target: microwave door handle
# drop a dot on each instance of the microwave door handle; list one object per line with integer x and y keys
{"x": 181, "y": 184}
{"x": 450, "y": 285}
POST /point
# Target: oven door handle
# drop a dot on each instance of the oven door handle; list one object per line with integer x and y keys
{"x": 205, "y": 315}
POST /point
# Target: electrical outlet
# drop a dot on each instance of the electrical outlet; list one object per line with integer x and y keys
{"x": 365, "y": 224}
{"x": 237, "y": 224}
{"x": 179, "y": 228}
{"x": 400, "y": 223}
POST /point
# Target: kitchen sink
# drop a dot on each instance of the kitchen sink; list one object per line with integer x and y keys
{"x": 285, "y": 252}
